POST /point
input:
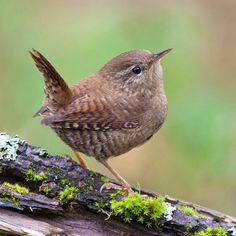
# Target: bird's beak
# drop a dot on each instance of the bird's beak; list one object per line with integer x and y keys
{"x": 159, "y": 55}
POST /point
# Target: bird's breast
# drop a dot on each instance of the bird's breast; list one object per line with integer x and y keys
{"x": 155, "y": 115}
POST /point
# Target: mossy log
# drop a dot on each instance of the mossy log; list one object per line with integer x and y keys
{"x": 41, "y": 194}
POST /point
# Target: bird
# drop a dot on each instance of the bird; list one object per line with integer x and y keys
{"x": 107, "y": 114}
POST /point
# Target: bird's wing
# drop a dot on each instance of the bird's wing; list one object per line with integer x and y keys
{"x": 92, "y": 114}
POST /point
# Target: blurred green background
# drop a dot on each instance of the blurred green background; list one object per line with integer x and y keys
{"x": 193, "y": 157}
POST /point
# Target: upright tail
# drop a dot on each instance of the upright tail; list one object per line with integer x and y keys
{"x": 56, "y": 90}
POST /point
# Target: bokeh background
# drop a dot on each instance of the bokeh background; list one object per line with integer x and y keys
{"x": 193, "y": 157}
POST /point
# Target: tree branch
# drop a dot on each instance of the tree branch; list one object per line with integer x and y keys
{"x": 42, "y": 194}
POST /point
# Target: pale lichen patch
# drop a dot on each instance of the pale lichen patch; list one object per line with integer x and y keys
{"x": 169, "y": 212}
{"x": 232, "y": 231}
{"x": 39, "y": 151}
{"x": 9, "y": 146}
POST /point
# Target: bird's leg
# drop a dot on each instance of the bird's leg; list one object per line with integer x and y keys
{"x": 81, "y": 160}
{"x": 124, "y": 183}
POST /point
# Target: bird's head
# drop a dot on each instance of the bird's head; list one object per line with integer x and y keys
{"x": 136, "y": 71}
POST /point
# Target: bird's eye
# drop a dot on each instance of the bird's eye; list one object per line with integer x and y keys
{"x": 136, "y": 70}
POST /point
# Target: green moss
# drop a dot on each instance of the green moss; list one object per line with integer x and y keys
{"x": 9, "y": 197}
{"x": 104, "y": 180}
{"x": 31, "y": 175}
{"x": 101, "y": 205}
{"x": 188, "y": 229}
{"x": 46, "y": 189}
{"x": 135, "y": 208}
{"x": 91, "y": 188}
{"x": 191, "y": 211}
{"x": 117, "y": 194}
{"x": 212, "y": 232}
{"x": 16, "y": 187}
{"x": 68, "y": 193}
{"x": 91, "y": 179}
{"x": 2, "y": 169}
{"x": 64, "y": 182}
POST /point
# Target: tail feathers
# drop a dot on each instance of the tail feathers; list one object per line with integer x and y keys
{"x": 56, "y": 90}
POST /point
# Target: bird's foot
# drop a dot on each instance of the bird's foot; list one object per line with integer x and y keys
{"x": 126, "y": 189}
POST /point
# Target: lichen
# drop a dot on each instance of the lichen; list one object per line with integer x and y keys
{"x": 32, "y": 176}
{"x": 9, "y": 146}
{"x": 16, "y": 187}
{"x": 68, "y": 193}
{"x": 39, "y": 151}
{"x": 191, "y": 211}
{"x": 136, "y": 208}
{"x": 169, "y": 211}
{"x": 232, "y": 231}
{"x": 212, "y": 232}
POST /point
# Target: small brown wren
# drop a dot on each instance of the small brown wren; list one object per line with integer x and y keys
{"x": 110, "y": 112}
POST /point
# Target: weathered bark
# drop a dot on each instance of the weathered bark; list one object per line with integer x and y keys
{"x": 45, "y": 211}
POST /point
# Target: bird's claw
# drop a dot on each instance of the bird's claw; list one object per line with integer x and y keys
{"x": 127, "y": 189}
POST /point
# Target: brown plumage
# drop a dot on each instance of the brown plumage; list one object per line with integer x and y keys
{"x": 111, "y": 112}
